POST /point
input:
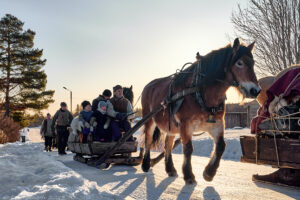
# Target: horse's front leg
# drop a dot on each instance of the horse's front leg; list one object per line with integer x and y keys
{"x": 171, "y": 171}
{"x": 186, "y": 137}
{"x": 219, "y": 147}
{"x": 149, "y": 128}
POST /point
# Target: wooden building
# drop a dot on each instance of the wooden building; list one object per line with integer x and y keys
{"x": 240, "y": 115}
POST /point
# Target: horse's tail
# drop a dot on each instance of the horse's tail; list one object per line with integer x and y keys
{"x": 156, "y": 136}
{"x": 158, "y": 139}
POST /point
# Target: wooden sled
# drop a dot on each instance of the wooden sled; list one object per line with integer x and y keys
{"x": 90, "y": 153}
{"x": 282, "y": 153}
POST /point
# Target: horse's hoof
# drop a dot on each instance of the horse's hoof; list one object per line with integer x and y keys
{"x": 207, "y": 177}
{"x": 145, "y": 167}
{"x": 172, "y": 174}
{"x": 191, "y": 181}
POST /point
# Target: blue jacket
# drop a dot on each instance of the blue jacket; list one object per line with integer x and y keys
{"x": 86, "y": 116}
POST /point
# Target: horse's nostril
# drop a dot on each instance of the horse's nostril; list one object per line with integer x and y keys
{"x": 254, "y": 92}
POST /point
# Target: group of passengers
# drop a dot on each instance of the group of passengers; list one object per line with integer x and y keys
{"x": 107, "y": 117}
{"x": 104, "y": 120}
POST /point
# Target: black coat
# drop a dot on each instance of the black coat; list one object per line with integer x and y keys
{"x": 100, "y": 132}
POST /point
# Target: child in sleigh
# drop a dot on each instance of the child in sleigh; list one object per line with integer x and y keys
{"x": 85, "y": 121}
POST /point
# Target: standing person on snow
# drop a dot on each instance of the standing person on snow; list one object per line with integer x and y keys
{"x": 62, "y": 119}
{"x": 23, "y": 133}
{"x": 46, "y": 132}
{"x": 106, "y": 94}
{"x": 85, "y": 120}
{"x": 119, "y": 108}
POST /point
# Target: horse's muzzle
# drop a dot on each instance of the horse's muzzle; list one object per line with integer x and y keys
{"x": 254, "y": 92}
{"x": 250, "y": 90}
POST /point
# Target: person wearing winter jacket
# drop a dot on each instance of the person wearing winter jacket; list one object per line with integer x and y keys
{"x": 47, "y": 133}
{"x": 62, "y": 120}
{"x": 85, "y": 117}
{"x": 102, "y": 130}
{"x": 121, "y": 110}
{"x": 106, "y": 94}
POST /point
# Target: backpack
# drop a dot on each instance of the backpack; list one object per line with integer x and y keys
{"x": 63, "y": 118}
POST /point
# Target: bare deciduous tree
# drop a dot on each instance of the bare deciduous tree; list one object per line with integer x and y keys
{"x": 275, "y": 26}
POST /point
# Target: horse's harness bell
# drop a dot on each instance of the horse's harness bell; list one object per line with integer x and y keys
{"x": 211, "y": 118}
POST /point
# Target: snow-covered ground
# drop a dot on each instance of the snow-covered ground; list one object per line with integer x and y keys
{"x": 29, "y": 173}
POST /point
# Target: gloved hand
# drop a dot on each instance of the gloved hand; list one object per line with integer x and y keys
{"x": 121, "y": 116}
{"x": 107, "y": 123}
{"x": 95, "y": 124}
{"x": 92, "y": 129}
{"x": 87, "y": 125}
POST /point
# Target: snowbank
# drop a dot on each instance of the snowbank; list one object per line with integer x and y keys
{"x": 29, "y": 173}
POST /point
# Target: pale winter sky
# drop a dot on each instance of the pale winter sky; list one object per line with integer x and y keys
{"x": 92, "y": 45}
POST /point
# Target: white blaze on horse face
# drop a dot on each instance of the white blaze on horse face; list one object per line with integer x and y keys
{"x": 247, "y": 86}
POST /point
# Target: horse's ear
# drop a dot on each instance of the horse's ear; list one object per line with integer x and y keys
{"x": 236, "y": 44}
{"x": 251, "y": 46}
{"x": 130, "y": 88}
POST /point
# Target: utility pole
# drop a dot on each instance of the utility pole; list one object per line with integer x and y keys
{"x": 70, "y": 97}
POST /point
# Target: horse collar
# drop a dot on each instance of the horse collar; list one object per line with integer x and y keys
{"x": 198, "y": 94}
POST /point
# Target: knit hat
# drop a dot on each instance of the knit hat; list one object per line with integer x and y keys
{"x": 106, "y": 93}
{"x": 117, "y": 87}
{"x": 63, "y": 104}
{"x": 102, "y": 104}
{"x": 85, "y": 103}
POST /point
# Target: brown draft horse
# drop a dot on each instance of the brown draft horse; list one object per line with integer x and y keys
{"x": 228, "y": 66}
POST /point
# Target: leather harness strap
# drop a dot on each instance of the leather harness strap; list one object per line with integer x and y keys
{"x": 198, "y": 90}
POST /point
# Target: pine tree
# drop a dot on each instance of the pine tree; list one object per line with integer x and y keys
{"x": 22, "y": 80}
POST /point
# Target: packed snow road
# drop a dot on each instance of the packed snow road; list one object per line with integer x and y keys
{"x": 29, "y": 173}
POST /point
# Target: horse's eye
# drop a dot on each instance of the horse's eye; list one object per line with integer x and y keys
{"x": 240, "y": 63}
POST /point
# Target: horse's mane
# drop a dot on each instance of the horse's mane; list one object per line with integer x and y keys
{"x": 212, "y": 65}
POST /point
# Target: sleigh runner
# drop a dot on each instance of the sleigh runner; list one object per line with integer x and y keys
{"x": 91, "y": 152}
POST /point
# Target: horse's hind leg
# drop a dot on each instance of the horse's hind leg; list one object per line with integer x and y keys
{"x": 186, "y": 138}
{"x": 171, "y": 171}
{"x": 211, "y": 169}
{"x": 149, "y": 128}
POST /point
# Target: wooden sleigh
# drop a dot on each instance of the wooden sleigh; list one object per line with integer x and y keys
{"x": 281, "y": 153}
{"x": 91, "y": 152}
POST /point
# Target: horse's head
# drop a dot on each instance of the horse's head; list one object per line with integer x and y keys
{"x": 128, "y": 94}
{"x": 241, "y": 70}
